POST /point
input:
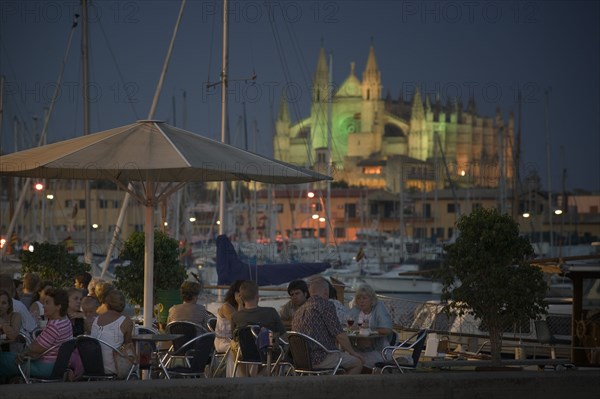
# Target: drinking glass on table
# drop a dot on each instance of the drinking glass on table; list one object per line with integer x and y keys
{"x": 137, "y": 310}
{"x": 350, "y": 322}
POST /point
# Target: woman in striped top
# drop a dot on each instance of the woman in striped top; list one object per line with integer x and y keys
{"x": 58, "y": 330}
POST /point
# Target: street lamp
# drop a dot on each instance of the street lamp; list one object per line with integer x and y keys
{"x": 527, "y": 215}
{"x": 559, "y": 212}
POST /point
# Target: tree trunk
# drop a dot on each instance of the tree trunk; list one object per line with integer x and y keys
{"x": 496, "y": 345}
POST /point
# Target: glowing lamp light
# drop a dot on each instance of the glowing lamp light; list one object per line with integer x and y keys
{"x": 315, "y": 216}
{"x": 310, "y": 194}
{"x": 50, "y": 196}
{"x": 192, "y": 219}
{"x": 322, "y": 219}
{"x": 95, "y": 226}
{"x": 526, "y": 215}
{"x": 39, "y": 186}
{"x": 30, "y": 248}
{"x": 558, "y": 212}
{"x": 218, "y": 222}
{"x": 2, "y": 242}
{"x": 462, "y": 173}
{"x": 166, "y": 223}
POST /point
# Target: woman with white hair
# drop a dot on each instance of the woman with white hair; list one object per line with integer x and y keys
{"x": 367, "y": 310}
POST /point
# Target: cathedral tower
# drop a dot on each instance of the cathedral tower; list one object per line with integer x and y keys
{"x": 320, "y": 97}
{"x": 281, "y": 144}
{"x": 372, "y": 105}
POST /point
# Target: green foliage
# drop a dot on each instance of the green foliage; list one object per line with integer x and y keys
{"x": 52, "y": 262}
{"x": 169, "y": 272}
{"x": 486, "y": 273}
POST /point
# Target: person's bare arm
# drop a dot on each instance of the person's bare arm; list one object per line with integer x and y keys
{"x": 227, "y": 310}
{"x": 127, "y": 330}
{"x": 345, "y": 344}
{"x": 13, "y": 329}
{"x": 34, "y": 350}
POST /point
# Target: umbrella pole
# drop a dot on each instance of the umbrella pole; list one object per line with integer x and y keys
{"x": 149, "y": 257}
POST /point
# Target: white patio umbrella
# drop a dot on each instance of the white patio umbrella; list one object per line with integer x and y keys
{"x": 150, "y": 152}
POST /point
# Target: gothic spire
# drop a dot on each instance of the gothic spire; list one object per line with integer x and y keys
{"x": 417, "y": 111}
{"x": 321, "y": 78}
{"x": 371, "y": 78}
{"x": 284, "y": 112}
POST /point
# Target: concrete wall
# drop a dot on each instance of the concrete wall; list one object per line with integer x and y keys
{"x": 447, "y": 385}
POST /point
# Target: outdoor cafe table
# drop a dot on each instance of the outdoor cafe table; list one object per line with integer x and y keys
{"x": 355, "y": 337}
{"x": 156, "y": 338}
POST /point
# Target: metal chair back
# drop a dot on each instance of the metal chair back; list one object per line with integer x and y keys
{"x": 90, "y": 351}
{"x": 65, "y": 350}
{"x": 198, "y": 351}
{"x": 300, "y": 348}
{"x": 188, "y": 329}
{"x": 414, "y": 344}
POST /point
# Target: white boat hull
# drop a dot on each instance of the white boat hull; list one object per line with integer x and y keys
{"x": 402, "y": 284}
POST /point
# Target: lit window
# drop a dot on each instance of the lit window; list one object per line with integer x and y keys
{"x": 372, "y": 170}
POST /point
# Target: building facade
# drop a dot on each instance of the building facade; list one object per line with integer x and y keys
{"x": 377, "y": 140}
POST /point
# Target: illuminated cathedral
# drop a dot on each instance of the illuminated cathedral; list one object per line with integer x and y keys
{"x": 376, "y": 142}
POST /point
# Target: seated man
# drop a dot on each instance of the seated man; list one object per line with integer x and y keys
{"x": 298, "y": 291}
{"x": 189, "y": 310}
{"x": 252, "y": 314}
{"x": 317, "y": 318}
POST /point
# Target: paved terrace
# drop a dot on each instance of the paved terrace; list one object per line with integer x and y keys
{"x": 421, "y": 385}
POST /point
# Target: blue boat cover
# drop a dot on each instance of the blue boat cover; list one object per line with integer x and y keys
{"x": 231, "y": 268}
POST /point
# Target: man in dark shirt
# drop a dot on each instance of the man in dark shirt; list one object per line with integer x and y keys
{"x": 252, "y": 314}
{"x": 317, "y": 318}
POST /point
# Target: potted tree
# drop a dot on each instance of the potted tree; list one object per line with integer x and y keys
{"x": 169, "y": 272}
{"x": 486, "y": 273}
{"x": 52, "y": 262}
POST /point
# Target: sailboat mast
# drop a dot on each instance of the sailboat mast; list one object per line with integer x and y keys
{"x": 548, "y": 170}
{"x": 329, "y": 138}
{"x": 222, "y": 194}
{"x": 127, "y": 197}
{"x": 86, "y": 126}
{"x": 516, "y": 178}
{"x": 27, "y": 182}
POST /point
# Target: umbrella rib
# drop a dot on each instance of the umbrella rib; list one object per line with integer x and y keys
{"x": 172, "y": 144}
{"x": 126, "y": 188}
{"x": 175, "y": 188}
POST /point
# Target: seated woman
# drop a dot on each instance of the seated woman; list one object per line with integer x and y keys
{"x": 10, "y": 324}
{"x": 223, "y": 330}
{"x": 74, "y": 312}
{"x": 57, "y": 331}
{"x": 112, "y": 327}
{"x": 368, "y": 310}
{"x": 189, "y": 310}
{"x": 37, "y": 307}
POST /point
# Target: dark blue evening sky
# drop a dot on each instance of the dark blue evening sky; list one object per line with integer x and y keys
{"x": 488, "y": 48}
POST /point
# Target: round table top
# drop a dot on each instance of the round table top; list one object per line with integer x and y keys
{"x": 372, "y": 335}
{"x": 155, "y": 337}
